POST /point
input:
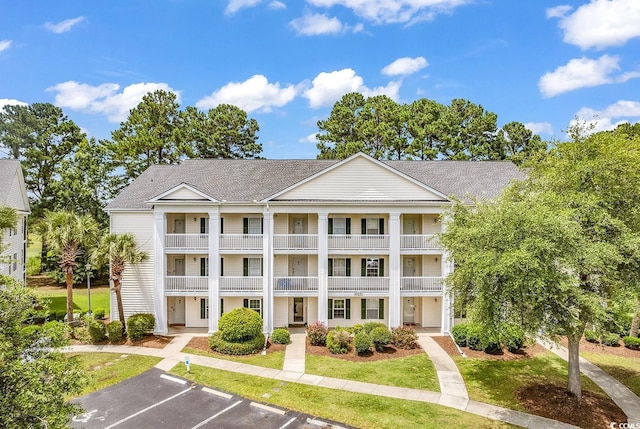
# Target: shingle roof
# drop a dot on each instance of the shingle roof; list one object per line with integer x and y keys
{"x": 10, "y": 173}
{"x": 255, "y": 180}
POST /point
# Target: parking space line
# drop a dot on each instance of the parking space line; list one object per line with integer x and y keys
{"x": 268, "y": 408}
{"x": 324, "y": 424}
{"x": 174, "y": 379}
{"x": 215, "y": 392}
{"x": 147, "y": 409}
{"x": 287, "y": 423}
{"x": 216, "y": 415}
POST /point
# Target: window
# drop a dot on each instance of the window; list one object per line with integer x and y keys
{"x": 254, "y": 304}
{"x": 204, "y": 308}
{"x": 372, "y": 226}
{"x": 252, "y": 267}
{"x": 204, "y": 225}
{"x": 339, "y": 267}
{"x": 372, "y": 308}
{"x": 371, "y": 267}
{"x": 15, "y": 262}
{"x": 252, "y": 225}
{"x": 339, "y": 226}
{"x": 338, "y": 309}
{"x": 204, "y": 267}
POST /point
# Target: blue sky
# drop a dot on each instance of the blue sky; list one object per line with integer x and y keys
{"x": 285, "y": 62}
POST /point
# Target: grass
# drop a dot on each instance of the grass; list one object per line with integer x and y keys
{"x": 57, "y": 299}
{"x": 496, "y": 382}
{"x": 105, "y": 369}
{"x": 624, "y": 369}
{"x": 416, "y": 372}
{"x": 34, "y": 245}
{"x": 274, "y": 360}
{"x": 358, "y": 410}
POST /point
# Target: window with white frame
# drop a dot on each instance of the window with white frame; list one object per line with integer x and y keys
{"x": 255, "y": 267}
{"x": 373, "y": 226}
{"x": 255, "y": 225}
{"x": 372, "y": 267}
{"x": 204, "y": 308}
{"x": 339, "y": 309}
{"x": 339, "y": 267}
{"x": 256, "y": 305}
{"x": 373, "y": 308}
{"x": 339, "y": 225}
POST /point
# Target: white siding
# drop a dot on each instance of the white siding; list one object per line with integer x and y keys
{"x": 431, "y": 267}
{"x": 192, "y": 313}
{"x": 356, "y": 314}
{"x": 359, "y": 179}
{"x": 281, "y": 312}
{"x": 431, "y": 312}
{"x": 183, "y": 194}
{"x": 14, "y": 244}
{"x": 312, "y": 309}
{"x": 137, "y": 280}
{"x": 431, "y": 224}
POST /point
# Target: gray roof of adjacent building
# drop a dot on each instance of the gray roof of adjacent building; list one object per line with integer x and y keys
{"x": 251, "y": 180}
{"x": 12, "y": 188}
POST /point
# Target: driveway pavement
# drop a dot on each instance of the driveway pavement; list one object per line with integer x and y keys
{"x": 157, "y": 400}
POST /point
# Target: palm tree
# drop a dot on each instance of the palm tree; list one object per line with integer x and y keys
{"x": 120, "y": 250}
{"x": 68, "y": 235}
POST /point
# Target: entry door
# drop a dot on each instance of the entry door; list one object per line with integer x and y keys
{"x": 409, "y": 311}
{"x": 177, "y": 310}
{"x": 298, "y": 226}
{"x": 299, "y": 266}
{"x": 409, "y": 267}
{"x": 298, "y": 310}
{"x": 178, "y": 226}
{"x": 179, "y": 267}
{"x": 409, "y": 226}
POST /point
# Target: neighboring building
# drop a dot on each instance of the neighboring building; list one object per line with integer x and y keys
{"x": 13, "y": 194}
{"x": 342, "y": 242}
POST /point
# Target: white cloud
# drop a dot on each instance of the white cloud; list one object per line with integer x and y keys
{"x": 329, "y": 87}
{"x": 11, "y": 102}
{"x": 405, "y": 66}
{"x": 277, "y": 5}
{"x": 558, "y": 11}
{"x": 255, "y": 93}
{"x": 235, "y": 5}
{"x": 104, "y": 99}
{"x": 316, "y": 24}
{"x": 63, "y": 26}
{"x": 5, "y": 44}
{"x": 395, "y": 11}
{"x": 539, "y": 127}
{"x": 581, "y": 73}
{"x": 311, "y": 138}
{"x": 601, "y": 23}
{"x": 609, "y": 117}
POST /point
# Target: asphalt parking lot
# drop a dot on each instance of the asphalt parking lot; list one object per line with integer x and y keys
{"x": 157, "y": 400}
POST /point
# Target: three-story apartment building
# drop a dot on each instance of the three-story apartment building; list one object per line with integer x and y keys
{"x": 13, "y": 194}
{"x": 342, "y": 242}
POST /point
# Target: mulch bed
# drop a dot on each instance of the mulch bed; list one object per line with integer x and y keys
{"x": 388, "y": 353}
{"x": 621, "y": 350}
{"x": 202, "y": 343}
{"x": 150, "y": 341}
{"x": 449, "y": 346}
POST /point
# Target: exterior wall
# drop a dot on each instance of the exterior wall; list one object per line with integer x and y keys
{"x": 312, "y": 309}
{"x": 431, "y": 312}
{"x": 192, "y": 313}
{"x": 431, "y": 265}
{"x": 281, "y": 312}
{"x": 356, "y": 316}
{"x": 14, "y": 258}
{"x": 283, "y": 265}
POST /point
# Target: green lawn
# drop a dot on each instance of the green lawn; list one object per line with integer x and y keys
{"x": 624, "y": 369}
{"x": 57, "y": 299}
{"x": 34, "y": 245}
{"x": 274, "y": 360}
{"x": 358, "y": 410}
{"x": 105, "y": 369}
{"x": 416, "y": 372}
{"x": 496, "y": 382}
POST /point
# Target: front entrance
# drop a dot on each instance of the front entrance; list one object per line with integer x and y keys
{"x": 298, "y": 311}
{"x": 176, "y": 310}
{"x": 409, "y": 311}
{"x": 409, "y": 267}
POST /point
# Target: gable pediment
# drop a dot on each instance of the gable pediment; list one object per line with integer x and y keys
{"x": 182, "y": 192}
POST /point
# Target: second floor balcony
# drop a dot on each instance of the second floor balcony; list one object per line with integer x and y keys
{"x": 298, "y": 286}
{"x": 186, "y": 242}
{"x": 420, "y": 242}
{"x": 240, "y": 242}
{"x": 348, "y": 286}
{"x": 358, "y": 242}
{"x": 295, "y": 242}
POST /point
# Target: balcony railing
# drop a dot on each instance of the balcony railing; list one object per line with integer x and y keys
{"x": 358, "y": 284}
{"x": 295, "y": 242}
{"x": 420, "y": 242}
{"x": 240, "y": 284}
{"x": 241, "y": 241}
{"x": 286, "y": 285}
{"x": 421, "y": 284}
{"x": 355, "y": 242}
{"x": 186, "y": 284}
{"x": 187, "y": 241}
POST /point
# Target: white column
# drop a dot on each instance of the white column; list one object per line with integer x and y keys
{"x": 159, "y": 261}
{"x": 214, "y": 270}
{"x": 267, "y": 272}
{"x": 323, "y": 267}
{"x": 447, "y": 298}
{"x": 394, "y": 270}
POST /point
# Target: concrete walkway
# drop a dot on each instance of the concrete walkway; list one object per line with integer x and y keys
{"x": 295, "y": 353}
{"x": 618, "y": 392}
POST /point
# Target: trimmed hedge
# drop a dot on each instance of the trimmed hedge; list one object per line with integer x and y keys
{"x": 317, "y": 333}
{"x": 240, "y": 325}
{"x": 99, "y": 313}
{"x": 139, "y": 325}
{"x": 404, "y": 337}
{"x": 370, "y": 326}
{"x": 219, "y": 344}
{"x": 611, "y": 339}
{"x": 513, "y": 338}
{"x": 459, "y": 333}
{"x": 381, "y": 338}
{"x": 281, "y": 336}
{"x": 97, "y": 330}
{"x": 632, "y": 343}
{"x": 361, "y": 343}
{"x": 114, "y": 331}
{"x": 591, "y": 336}
{"x": 338, "y": 341}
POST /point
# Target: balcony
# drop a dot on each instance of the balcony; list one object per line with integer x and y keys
{"x": 420, "y": 242}
{"x": 182, "y": 242}
{"x": 240, "y": 285}
{"x": 358, "y": 242}
{"x": 186, "y": 285}
{"x": 295, "y": 242}
{"x": 240, "y": 242}
{"x": 358, "y": 286}
{"x": 421, "y": 285}
{"x": 298, "y": 286}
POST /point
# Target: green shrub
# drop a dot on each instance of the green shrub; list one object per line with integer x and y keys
{"x": 591, "y": 336}
{"x": 474, "y": 337}
{"x": 99, "y": 313}
{"x": 139, "y": 325}
{"x": 281, "y": 336}
{"x": 404, "y": 337}
{"x": 361, "y": 342}
{"x": 370, "y": 326}
{"x": 97, "y": 330}
{"x": 219, "y": 344}
{"x": 240, "y": 325}
{"x": 57, "y": 332}
{"x": 317, "y": 333}
{"x": 513, "y": 338}
{"x": 611, "y": 339}
{"x": 338, "y": 341}
{"x": 381, "y": 338}
{"x": 114, "y": 331}
{"x": 632, "y": 343}
{"x": 459, "y": 333}
{"x": 33, "y": 265}
{"x": 356, "y": 328}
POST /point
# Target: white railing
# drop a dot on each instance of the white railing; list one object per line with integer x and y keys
{"x": 420, "y": 241}
{"x": 186, "y": 241}
{"x": 421, "y": 284}
{"x": 240, "y": 284}
{"x": 186, "y": 284}
{"x": 358, "y": 241}
{"x": 358, "y": 284}
{"x": 283, "y": 285}
{"x": 295, "y": 241}
{"x": 241, "y": 241}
